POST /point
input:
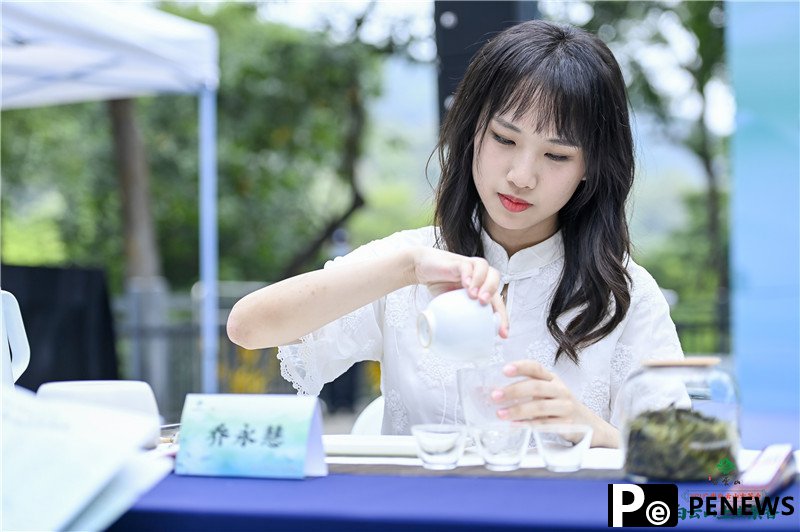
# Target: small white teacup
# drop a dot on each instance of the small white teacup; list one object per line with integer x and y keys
{"x": 135, "y": 396}
{"x": 458, "y": 327}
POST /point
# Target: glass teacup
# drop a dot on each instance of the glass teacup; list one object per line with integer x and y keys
{"x": 502, "y": 445}
{"x": 440, "y": 447}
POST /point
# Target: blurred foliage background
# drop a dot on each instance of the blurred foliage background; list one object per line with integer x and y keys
{"x": 673, "y": 57}
{"x": 294, "y": 123}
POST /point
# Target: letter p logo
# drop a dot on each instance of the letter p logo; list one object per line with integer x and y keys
{"x": 618, "y": 507}
{"x": 626, "y": 505}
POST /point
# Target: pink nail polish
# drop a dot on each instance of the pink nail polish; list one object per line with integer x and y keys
{"x": 510, "y": 369}
{"x": 502, "y": 413}
{"x": 497, "y": 395}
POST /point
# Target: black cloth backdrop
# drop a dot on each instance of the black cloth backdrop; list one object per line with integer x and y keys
{"x": 68, "y": 321}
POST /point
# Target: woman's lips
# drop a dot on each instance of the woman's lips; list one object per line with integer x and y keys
{"x": 513, "y": 204}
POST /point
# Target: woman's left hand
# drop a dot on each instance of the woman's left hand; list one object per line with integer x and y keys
{"x": 544, "y": 398}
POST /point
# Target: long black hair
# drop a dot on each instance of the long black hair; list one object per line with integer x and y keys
{"x": 572, "y": 82}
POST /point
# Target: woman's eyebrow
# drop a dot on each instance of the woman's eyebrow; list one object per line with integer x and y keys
{"x": 512, "y": 127}
{"x": 508, "y": 125}
{"x": 563, "y": 142}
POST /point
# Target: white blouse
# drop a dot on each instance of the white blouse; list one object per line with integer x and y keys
{"x": 420, "y": 387}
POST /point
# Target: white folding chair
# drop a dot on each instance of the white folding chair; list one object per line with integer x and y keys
{"x": 14, "y": 349}
{"x": 370, "y": 420}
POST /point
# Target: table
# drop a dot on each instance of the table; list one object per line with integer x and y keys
{"x": 388, "y": 503}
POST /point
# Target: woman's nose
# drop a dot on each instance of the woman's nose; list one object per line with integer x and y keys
{"x": 524, "y": 172}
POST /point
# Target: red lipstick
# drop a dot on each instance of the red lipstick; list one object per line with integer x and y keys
{"x": 513, "y": 204}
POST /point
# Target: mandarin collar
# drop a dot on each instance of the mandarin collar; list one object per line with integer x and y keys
{"x": 525, "y": 262}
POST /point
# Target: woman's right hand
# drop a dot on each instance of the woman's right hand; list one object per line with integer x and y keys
{"x": 442, "y": 271}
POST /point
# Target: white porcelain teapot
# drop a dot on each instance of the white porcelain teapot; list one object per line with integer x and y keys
{"x": 455, "y": 326}
{"x": 16, "y": 353}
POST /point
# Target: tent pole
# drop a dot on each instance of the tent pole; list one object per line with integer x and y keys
{"x": 209, "y": 320}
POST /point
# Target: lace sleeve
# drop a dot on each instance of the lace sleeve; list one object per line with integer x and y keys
{"x": 649, "y": 334}
{"x": 326, "y": 353}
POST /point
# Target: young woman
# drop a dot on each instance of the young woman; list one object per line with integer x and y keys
{"x": 537, "y": 162}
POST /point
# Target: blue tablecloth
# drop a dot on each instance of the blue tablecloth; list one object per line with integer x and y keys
{"x": 389, "y": 503}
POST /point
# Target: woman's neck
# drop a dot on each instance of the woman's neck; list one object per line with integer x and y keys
{"x": 513, "y": 241}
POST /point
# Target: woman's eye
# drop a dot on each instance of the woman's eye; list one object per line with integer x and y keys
{"x": 502, "y": 140}
{"x": 557, "y": 158}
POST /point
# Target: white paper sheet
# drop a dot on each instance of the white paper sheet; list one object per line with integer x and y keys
{"x": 58, "y": 456}
{"x": 137, "y": 476}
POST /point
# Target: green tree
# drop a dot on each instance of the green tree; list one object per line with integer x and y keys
{"x": 287, "y": 152}
{"x": 688, "y": 249}
{"x": 291, "y": 122}
{"x": 60, "y": 203}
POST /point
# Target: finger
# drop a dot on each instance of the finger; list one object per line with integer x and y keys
{"x": 489, "y": 286}
{"x": 536, "y": 410}
{"x": 528, "y": 368}
{"x": 479, "y": 270}
{"x": 526, "y": 390}
{"x": 465, "y": 267}
{"x": 499, "y": 307}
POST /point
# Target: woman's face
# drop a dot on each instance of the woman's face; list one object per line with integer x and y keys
{"x": 523, "y": 179}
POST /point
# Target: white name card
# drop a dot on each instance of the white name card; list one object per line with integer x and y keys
{"x": 239, "y": 435}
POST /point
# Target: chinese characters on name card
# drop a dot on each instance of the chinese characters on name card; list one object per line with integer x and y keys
{"x": 268, "y": 436}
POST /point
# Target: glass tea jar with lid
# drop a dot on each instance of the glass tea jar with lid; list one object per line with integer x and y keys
{"x": 680, "y": 421}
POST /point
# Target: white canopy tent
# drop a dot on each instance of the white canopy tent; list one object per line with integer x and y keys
{"x": 65, "y": 52}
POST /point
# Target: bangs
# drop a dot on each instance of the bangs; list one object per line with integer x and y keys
{"x": 553, "y": 92}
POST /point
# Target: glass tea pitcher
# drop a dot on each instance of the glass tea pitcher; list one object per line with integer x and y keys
{"x": 680, "y": 421}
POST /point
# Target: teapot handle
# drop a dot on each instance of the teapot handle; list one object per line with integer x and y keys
{"x": 15, "y": 332}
